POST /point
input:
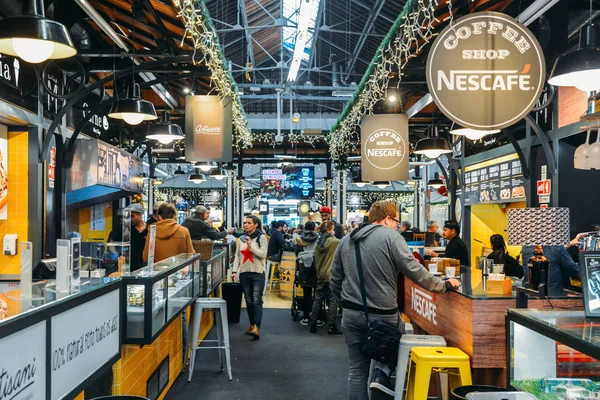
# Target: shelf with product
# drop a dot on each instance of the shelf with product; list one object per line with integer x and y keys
{"x": 553, "y": 354}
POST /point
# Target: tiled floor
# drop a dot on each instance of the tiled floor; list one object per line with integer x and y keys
{"x": 272, "y": 300}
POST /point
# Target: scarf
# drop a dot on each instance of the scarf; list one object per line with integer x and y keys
{"x": 255, "y": 235}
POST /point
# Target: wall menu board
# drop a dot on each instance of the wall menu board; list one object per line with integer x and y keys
{"x": 496, "y": 181}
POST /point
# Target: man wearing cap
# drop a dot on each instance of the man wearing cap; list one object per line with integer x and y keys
{"x": 455, "y": 248}
{"x": 154, "y": 218}
{"x": 326, "y": 216}
{"x": 139, "y": 232}
{"x": 199, "y": 227}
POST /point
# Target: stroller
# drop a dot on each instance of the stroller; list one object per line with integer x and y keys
{"x": 306, "y": 275}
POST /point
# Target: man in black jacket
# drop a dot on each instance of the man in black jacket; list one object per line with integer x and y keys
{"x": 276, "y": 242}
{"x": 200, "y": 229}
{"x": 326, "y": 216}
{"x": 455, "y": 248}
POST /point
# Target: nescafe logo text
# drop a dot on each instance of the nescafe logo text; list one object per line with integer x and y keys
{"x": 385, "y": 149}
{"x": 486, "y": 71}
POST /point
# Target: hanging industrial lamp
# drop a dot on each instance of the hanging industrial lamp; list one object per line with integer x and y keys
{"x": 472, "y": 134}
{"x": 580, "y": 67}
{"x": 205, "y": 166}
{"x": 381, "y": 184}
{"x": 357, "y": 180}
{"x": 433, "y": 146}
{"x": 133, "y": 110}
{"x": 35, "y": 38}
{"x": 218, "y": 173}
{"x": 436, "y": 182}
{"x": 165, "y": 132}
{"x": 197, "y": 178}
{"x": 179, "y": 171}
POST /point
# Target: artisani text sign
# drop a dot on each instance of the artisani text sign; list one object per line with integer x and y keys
{"x": 83, "y": 340}
{"x": 208, "y": 129}
{"x": 486, "y": 71}
{"x": 23, "y": 364}
{"x": 384, "y": 147}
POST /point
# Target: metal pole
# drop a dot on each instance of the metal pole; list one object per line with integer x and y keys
{"x": 291, "y": 115}
{"x": 278, "y": 112}
{"x": 229, "y": 202}
{"x": 342, "y": 197}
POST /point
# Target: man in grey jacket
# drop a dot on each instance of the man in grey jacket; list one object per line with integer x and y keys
{"x": 384, "y": 255}
{"x": 200, "y": 229}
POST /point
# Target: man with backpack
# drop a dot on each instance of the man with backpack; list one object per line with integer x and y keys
{"x": 306, "y": 268}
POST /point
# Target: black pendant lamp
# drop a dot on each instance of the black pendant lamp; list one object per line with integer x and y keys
{"x": 179, "y": 171}
{"x": 197, "y": 178}
{"x": 218, "y": 173}
{"x": 357, "y": 180}
{"x": 580, "y": 67}
{"x": 433, "y": 146}
{"x": 35, "y": 38}
{"x": 205, "y": 166}
{"x": 381, "y": 184}
{"x": 436, "y": 182}
{"x": 164, "y": 131}
{"x": 133, "y": 109}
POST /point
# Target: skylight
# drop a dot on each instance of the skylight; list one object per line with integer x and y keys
{"x": 291, "y": 12}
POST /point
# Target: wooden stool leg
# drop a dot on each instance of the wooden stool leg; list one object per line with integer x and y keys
{"x": 421, "y": 382}
{"x": 195, "y": 330}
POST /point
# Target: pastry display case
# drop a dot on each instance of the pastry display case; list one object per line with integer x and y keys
{"x": 153, "y": 298}
{"x": 554, "y": 354}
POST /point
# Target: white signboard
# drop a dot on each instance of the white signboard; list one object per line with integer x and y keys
{"x": 97, "y": 217}
{"x": 83, "y": 339}
{"x": 23, "y": 364}
{"x": 151, "y": 247}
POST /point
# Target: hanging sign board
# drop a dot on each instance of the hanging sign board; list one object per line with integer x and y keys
{"x": 486, "y": 71}
{"x": 208, "y": 129}
{"x": 384, "y": 149}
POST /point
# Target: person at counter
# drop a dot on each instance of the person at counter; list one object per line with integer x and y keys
{"x": 154, "y": 218}
{"x": 139, "y": 232}
{"x": 455, "y": 248}
{"x": 171, "y": 238}
{"x": 384, "y": 257}
{"x": 560, "y": 269}
{"x": 434, "y": 227}
{"x": 500, "y": 256}
{"x": 199, "y": 227}
{"x": 249, "y": 261}
{"x": 276, "y": 242}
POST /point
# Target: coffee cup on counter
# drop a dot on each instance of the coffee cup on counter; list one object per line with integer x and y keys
{"x": 433, "y": 268}
{"x": 497, "y": 268}
{"x": 450, "y": 272}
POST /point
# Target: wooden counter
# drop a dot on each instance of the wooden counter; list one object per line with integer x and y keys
{"x": 475, "y": 324}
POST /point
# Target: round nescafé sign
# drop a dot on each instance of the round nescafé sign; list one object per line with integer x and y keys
{"x": 486, "y": 71}
{"x": 385, "y": 149}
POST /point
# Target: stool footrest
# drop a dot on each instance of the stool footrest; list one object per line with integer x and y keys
{"x": 210, "y": 348}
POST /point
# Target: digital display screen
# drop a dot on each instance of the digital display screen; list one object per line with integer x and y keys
{"x": 288, "y": 182}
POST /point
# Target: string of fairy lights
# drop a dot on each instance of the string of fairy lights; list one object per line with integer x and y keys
{"x": 411, "y": 32}
{"x": 293, "y": 139}
{"x": 200, "y": 30}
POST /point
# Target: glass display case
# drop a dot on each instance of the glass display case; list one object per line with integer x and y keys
{"x": 554, "y": 354}
{"x": 153, "y": 298}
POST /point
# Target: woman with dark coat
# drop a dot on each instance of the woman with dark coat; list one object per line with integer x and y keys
{"x": 500, "y": 256}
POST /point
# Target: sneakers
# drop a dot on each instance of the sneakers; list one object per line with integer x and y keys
{"x": 255, "y": 332}
{"x": 313, "y": 329}
{"x": 381, "y": 383}
{"x": 334, "y": 331}
{"x": 249, "y": 329}
{"x": 320, "y": 323}
{"x": 304, "y": 322}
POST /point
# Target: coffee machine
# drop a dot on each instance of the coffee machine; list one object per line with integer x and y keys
{"x": 537, "y": 267}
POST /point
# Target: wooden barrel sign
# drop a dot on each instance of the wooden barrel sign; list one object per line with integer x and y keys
{"x": 287, "y": 271}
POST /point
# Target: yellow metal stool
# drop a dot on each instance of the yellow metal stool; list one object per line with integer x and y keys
{"x": 423, "y": 360}
{"x": 270, "y": 275}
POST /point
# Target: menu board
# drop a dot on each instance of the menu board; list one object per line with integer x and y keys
{"x": 500, "y": 181}
{"x": 590, "y": 263}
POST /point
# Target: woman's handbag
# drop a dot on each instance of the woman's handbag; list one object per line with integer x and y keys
{"x": 382, "y": 339}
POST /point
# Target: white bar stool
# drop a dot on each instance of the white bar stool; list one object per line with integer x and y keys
{"x": 219, "y": 306}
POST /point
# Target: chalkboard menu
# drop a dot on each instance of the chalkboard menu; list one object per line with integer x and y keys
{"x": 499, "y": 181}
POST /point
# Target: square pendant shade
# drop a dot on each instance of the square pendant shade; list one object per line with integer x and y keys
{"x": 35, "y": 39}
{"x": 581, "y": 67}
{"x": 133, "y": 110}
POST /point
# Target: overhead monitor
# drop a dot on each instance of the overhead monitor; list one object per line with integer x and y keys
{"x": 288, "y": 182}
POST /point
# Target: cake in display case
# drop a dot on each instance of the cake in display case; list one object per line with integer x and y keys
{"x": 554, "y": 354}
{"x": 154, "y": 297}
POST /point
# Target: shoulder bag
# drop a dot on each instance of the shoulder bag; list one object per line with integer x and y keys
{"x": 382, "y": 339}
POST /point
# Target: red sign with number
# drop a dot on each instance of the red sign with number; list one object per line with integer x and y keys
{"x": 543, "y": 187}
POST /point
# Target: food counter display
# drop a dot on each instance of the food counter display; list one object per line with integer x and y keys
{"x": 229, "y": 248}
{"x": 54, "y": 345}
{"x": 153, "y": 298}
{"x": 473, "y": 319}
{"x": 553, "y": 353}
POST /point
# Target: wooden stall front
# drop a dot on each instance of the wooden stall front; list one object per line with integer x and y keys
{"x": 474, "y": 323}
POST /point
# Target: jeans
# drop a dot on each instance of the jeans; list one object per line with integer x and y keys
{"x": 323, "y": 293}
{"x": 253, "y": 284}
{"x": 354, "y": 326}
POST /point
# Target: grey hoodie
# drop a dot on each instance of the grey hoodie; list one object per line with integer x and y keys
{"x": 384, "y": 255}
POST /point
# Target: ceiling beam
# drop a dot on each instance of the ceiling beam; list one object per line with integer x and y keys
{"x": 313, "y": 46}
{"x": 373, "y": 14}
{"x": 419, "y": 105}
{"x": 247, "y": 33}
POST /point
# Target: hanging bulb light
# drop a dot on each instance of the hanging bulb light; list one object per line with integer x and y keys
{"x": 580, "y": 67}
{"x": 205, "y": 166}
{"x": 472, "y": 134}
{"x": 436, "y": 182}
{"x": 197, "y": 178}
{"x": 133, "y": 110}
{"x": 433, "y": 146}
{"x": 218, "y": 173}
{"x": 35, "y": 38}
{"x": 296, "y": 117}
{"x": 164, "y": 131}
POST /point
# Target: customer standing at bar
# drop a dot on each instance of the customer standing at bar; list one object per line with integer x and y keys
{"x": 276, "y": 242}
{"x": 171, "y": 238}
{"x": 455, "y": 248}
{"x": 249, "y": 261}
{"x": 384, "y": 256}
{"x": 139, "y": 232}
{"x": 199, "y": 227}
{"x": 154, "y": 218}
{"x": 326, "y": 216}
{"x": 433, "y": 227}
